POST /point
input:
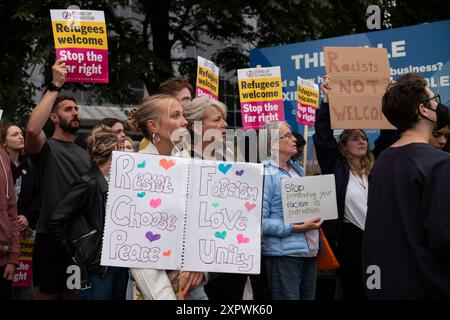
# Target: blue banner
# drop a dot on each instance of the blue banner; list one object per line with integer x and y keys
{"x": 422, "y": 49}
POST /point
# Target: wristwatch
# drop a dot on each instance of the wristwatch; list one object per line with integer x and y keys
{"x": 53, "y": 87}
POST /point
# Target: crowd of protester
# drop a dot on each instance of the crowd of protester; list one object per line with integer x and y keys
{"x": 392, "y": 211}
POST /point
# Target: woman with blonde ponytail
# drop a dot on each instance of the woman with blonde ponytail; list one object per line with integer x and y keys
{"x": 160, "y": 120}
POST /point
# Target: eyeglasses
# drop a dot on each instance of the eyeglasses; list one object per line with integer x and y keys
{"x": 436, "y": 97}
{"x": 288, "y": 135}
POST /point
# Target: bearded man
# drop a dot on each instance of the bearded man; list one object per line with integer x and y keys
{"x": 59, "y": 162}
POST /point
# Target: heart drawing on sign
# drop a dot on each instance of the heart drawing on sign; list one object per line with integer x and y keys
{"x": 249, "y": 206}
{"x": 240, "y": 173}
{"x": 141, "y": 165}
{"x": 167, "y": 164}
{"x": 224, "y": 168}
{"x": 155, "y": 203}
{"x": 167, "y": 253}
{"x": 152, "y": 237}
{"x": 241, "y": 239}
{"x": 220, "y": 235}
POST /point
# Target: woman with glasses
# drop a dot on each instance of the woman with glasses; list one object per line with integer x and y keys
{"x": 350, "y": 160}
{"x": 289, "y": 250}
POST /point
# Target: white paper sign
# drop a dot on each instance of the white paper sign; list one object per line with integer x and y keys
{"x": 308, "y": 197}
{"x": 183, "y": 214}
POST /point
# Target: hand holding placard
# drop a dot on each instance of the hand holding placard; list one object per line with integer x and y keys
{"x": 215, "y": 224}
{"x": 313, "y": 223}
{"x": 326, "y": 86}
{"x": 59, "y": 72}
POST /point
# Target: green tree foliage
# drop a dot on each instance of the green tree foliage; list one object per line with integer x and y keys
{"x": 176, "y": 24}
{"x": 142, "y": 45}
{"x": 406, "y": 13}
{"x": 289, "y": 21}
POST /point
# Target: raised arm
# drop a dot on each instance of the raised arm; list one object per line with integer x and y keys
{"x": 35, "y": 137}
{"x": 326, "y": 146}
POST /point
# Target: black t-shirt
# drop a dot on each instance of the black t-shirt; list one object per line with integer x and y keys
{"x": 19, "y": 174}
{"x": 59, "y": 164}
{"x": 407, "y": 232}
{"x": 26, "y": 185}
{"x": 17, "y": 171}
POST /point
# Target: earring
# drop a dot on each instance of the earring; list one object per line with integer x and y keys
{"x": 155, "y": 138}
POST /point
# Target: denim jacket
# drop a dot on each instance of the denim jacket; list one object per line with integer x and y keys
{"x": 277, "y": 239}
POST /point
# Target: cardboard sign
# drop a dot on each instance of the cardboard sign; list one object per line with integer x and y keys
{"x": 308, "y": 197}
{"x": 359, "y": 77}
{"x": 207, "y": 79}
{"x": 307, "y": 101}
{"x": 80, "y": 39}
{"x": 183, "y": 214}
{"x": 261, "y": 96}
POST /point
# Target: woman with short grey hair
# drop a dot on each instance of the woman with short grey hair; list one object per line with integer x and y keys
{"x": 288, "y": 250}
{"x": 207, "y": 124}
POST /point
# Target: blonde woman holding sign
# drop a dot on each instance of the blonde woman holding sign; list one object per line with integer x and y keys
{"x": 350, "y": 160}
{"x": 160, "y": 119}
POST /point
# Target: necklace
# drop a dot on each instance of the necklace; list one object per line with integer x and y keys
{"x": 361, "y": 181}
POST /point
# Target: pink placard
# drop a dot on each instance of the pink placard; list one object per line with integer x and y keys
{"x": 257, "y": 114}
{"x": 306, "y": 114}
{"x": 200, "y": 92}
{"x": 23, "y": 275}
{"x": 85, "y": 65}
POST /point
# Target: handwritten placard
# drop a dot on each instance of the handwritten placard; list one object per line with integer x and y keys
{"x": 308, "y": 197}
{"x": 359, "y": 77}
{"x": 182, "y": 214}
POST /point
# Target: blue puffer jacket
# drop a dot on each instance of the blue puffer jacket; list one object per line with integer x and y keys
{"x": 277, "y": 239}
